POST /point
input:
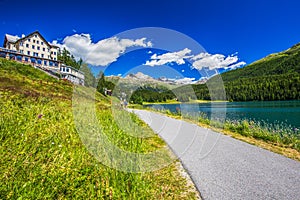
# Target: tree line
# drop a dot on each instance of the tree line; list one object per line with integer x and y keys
{"x": 265, "y": 88}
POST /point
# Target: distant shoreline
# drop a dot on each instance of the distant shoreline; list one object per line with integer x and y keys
{"x": 178, "y": 102}
{"x": 208, "y": 101}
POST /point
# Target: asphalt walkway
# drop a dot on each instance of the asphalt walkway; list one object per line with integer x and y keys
{"x": 223, "y": 167}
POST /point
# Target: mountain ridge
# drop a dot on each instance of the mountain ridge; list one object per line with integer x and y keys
{"x": 284, "y": 62}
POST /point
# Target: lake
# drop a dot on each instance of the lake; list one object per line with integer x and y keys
{"x": 273, "y": 112}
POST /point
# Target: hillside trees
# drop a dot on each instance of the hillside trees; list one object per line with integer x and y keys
{"x": 89, "y": 78}
{"x": 102, "y": 84}
{"x": 68, "y": 59}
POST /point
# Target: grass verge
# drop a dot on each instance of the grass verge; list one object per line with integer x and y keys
{"x": 279, "y": 139}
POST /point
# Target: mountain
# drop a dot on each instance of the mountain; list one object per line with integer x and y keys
{"x": 143, "y": 79}
{"x": 286, "y": 62}
{"x": 275, "y": 77}
{"x": 140, "y": 76}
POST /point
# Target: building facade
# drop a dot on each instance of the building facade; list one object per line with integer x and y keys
{"x": 72, "y": 74}
{"x": 33, "y": 44}
{"x": 32, "y": 49}
{"x": 35, "y": 50}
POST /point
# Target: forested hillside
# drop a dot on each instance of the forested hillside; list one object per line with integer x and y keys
{"x": 276, "y": 77}
{"x": 285, "y": 62}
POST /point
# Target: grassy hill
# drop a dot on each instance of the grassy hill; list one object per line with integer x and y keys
{"x": 43, "y": 156}
{"x": 286, "y": 62}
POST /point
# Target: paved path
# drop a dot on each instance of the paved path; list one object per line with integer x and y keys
{"x": 226, "y": 168}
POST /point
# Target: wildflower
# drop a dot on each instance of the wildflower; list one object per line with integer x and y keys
{"x": 40, "y": 116}
{"x": 110, "y": 193}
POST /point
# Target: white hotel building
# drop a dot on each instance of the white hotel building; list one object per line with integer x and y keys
{"x": 35, "y": 50}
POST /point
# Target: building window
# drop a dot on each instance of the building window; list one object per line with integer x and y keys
{"x": 54, "y": 53}
{"x": 45, "y": 62}
{"x": 38, "y": 48}
{"x": 21, "y": 43}
{"x": 32, "y": 46}
{"x": 35, "y": 35}
{"x": 33, "y": 41}
{"x": 44, "y": 49}
{"x": 27, "y": 45}
{"x": 28, "y": 39}
{"x": 42, "y": 43}
{"x": 28, "y": 53}
{"x": 37, "y": 42}
{"x": 42, "y": 55}
{"x": 21, "y": 51}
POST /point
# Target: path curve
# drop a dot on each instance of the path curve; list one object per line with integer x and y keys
{"x": 223, "y": 167}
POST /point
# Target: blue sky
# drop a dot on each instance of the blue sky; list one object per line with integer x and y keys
{"x": 253, "y": 28}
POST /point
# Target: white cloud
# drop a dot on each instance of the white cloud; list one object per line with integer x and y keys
{"x": 54, "y": 42}
{"x": 185, "y": 81}
{"x": 102, "y": 53}
{"x": 215, "y": 61}
{"x": 149, "y": 52}
{"x": 182, "y": 70}
{"x": 200, "y": 61}
{"x": 177, "y": 57}
{"x": 200, "y": 56}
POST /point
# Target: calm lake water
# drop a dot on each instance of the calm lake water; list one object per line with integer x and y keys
{"x": 273, "y": 112}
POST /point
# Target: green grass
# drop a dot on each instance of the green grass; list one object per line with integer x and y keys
{"x": 43, "y": 155}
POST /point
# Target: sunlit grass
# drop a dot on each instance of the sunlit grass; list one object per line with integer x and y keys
{"x": 43, "y": 156}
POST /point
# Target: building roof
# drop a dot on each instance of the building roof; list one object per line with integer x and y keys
{"x": 54, "y": 46}
{"x": 15, "y": 39}
{"x": 11, "y": 38}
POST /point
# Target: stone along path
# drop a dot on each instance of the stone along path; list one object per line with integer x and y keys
{"x": 223, "y": 167}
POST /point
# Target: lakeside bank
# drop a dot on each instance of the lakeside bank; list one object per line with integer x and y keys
{"x": 277, "y": 138}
